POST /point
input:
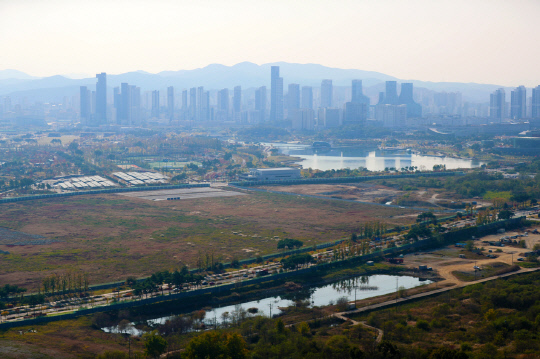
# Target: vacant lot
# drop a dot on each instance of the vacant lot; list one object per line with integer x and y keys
{"x": 366, "y": 192}
{"x": 111, "y": 237}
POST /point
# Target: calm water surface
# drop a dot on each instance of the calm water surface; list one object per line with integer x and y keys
{"x": 372, "y": 159}
{"x": 317, "y": 296}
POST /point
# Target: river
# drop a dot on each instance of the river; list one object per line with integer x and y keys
{"x": 373, "y": 159}
{"x": 367, "y": 287}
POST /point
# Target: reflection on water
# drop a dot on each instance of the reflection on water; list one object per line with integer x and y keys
{"x": 366, "y": 287}
{"x": 372, "y": 159}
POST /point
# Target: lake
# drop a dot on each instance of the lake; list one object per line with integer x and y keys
{"x": 372, "y": 159}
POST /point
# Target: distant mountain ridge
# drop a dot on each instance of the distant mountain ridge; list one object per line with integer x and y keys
{"x": 15, "y": 74}
{"x": 216, "y": 76}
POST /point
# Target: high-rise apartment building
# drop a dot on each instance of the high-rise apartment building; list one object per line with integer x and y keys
{"x": 535, "y": 102}
{"x": 328, "y": 117}
{"x": 276, "y": 95}
{"x": 155, "y": 104}
{"x": 85, "y": 105}
{"x": 124, "y": 114}
{"x": 307, "y": 97}
{"x": 293, "y": 97}
{"x": 260, "y": 104}
{"x": 170, "y": 103}
{"x": 414, "y": 110}
{"x": 205, "y": 106}
{"x": 192, "y": 103}
{"x": 222, "y": 111}
{"x": 237, "y": 99}
{"x": 200, "y": 104}
{"x": 327, "y": 93}
{"x": 101, "y": 99}
{"x": 184, "y": 111}
{"x": 497, "y": 105}
{"x": 303, "y": 119}
{"x": 356, "y": 111}
{"x": 390, "y": 96}
{"x": 135, "y": 112}
{"x": 391, "y": 115}
{"x": 518, "y": 103}
{"x": 358, "y": 93}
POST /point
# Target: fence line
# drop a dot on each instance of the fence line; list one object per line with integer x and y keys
{"x": 102, "y": 191}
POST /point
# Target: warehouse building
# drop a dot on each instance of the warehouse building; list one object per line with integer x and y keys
{"x": 273, "y": 174}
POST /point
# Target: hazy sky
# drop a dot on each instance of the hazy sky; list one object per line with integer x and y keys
{"x": 485, "y": 41}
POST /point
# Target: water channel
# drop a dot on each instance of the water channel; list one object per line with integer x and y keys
{"x": 373, "y": 159}
{"x": 366, "y": 287}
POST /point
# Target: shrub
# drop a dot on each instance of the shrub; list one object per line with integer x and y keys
{"x": 422, "y": 324}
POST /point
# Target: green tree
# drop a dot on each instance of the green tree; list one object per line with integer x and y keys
{"x": 289, "y": 243}
{"x": 154, "y": 344}
{"x": 215, "y": 345}
{"x": 505, "y": 214}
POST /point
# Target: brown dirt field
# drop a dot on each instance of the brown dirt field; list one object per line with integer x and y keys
{"x": 366, "y": 192}
{"x": 112, "y": 237}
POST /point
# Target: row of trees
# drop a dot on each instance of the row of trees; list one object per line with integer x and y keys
{"x": 156, "y": 281}
{"x": 67, "y": 282}
{"x": 371, "y": 230}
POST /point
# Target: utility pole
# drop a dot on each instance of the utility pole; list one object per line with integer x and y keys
{"x": 270, "y": 305}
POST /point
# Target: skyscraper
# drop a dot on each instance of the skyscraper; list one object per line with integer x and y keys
{"x": 84, "y": 105}
{"x": 497, "y": 105}
{"x": 200, "y": 104}
{"x": 222, "y": 113}
{"x": 205, "y": 106}
{"x": 307, "y": 97}
{"x": 237, "y": 99}
{"x": 414, "y": 110}
{"x": 155, "y": 103}
{"x": 184, "y": 100}
{"x": 101, "y": 99}
{"x": 293, "y": 97}
{"x": 170, "y": 102}
{"x": 391, "y": 97}
{"x": 356, "y": 111}
{"x": 260, "y": 103}
{"x": 358, "y": 94}
{"x": 326, "y": 93}
{"x": 192, "y": 103}
{"x": 184, "y": 113}
{"x": 518, "y": 103}
{"x": 135, "y": 111}
{"x": 276, "y": 95}
{"x": 536, "y": 102}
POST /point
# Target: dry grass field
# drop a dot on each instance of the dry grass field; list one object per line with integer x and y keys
{"x": 112, "y": 236}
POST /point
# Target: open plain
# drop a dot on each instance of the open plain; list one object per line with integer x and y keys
{"x": 111, "y": 237}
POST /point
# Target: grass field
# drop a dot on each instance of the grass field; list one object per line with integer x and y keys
{"x": 66, "y": 140}
{"x": 111, "y": 237}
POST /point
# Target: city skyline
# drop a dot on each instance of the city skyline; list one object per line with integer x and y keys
{"x": 446, "y": 41}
